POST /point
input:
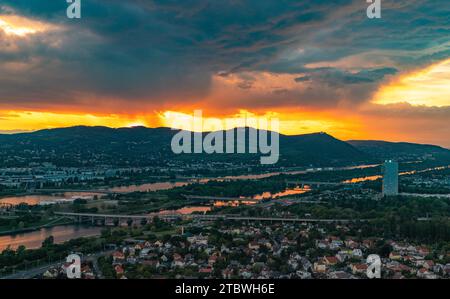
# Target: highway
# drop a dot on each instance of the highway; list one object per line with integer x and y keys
{"x": 204, "y": 217}
{"x": 27, "y": 274}
{"x": 30, "y": 273}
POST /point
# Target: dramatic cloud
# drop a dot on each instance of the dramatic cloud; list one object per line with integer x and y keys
{"x": 137, "y": 56}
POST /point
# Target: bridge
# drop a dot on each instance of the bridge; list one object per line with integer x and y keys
{"x": 99, "y": 191}
{"x": 93, "y": 217}
{"x": 216, "y": 198}
{"x": 312, "y": 183}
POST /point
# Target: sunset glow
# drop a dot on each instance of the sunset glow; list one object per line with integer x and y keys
{"x": 428, "y": 87}
{"x": 13, "y": 121}
{"x": 20, "y": 26}
{"x": 313, "y": 77}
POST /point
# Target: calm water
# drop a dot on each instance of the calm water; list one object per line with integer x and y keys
{"x": 65, "y": 233}
{"x": 148, "y": 187}
{"x": 46, "y": 199}
{"x": 61, "y": 234}
{"x": 37, "y": 199}
{"x": 184, "y": 211}
{"x": 377, "y": 177}
{"x": 287, "y": 192}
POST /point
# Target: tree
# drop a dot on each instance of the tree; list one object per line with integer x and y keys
{"x": 48, "y": 242}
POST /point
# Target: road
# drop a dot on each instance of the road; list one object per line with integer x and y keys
{"x": 30, "y": 273}
{"x": 27, "y": 274}
{"x": 206, "y": 217}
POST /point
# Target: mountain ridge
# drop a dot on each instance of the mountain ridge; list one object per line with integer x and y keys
{"x": 147, "y": 146}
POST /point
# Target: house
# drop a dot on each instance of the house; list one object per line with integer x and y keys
{"x": 320, "y": 267}
{"x": 212, "y": 259}
{"x": 425, "y": 274}
{"x": 198, "y": 240}
{"x": 330, "y": 260}
{"x": 119, "y": 270}
{"x": 131, "y": 260}
{"x": 293, "y": 263}
{"x": 395, "y": 256}
{"x": 336, "y": 244}
{"x": 428, "y": 264}
{"x": 205, "y": 270}
{"x": 139, "y": 246}
{"x": 118, "y": 257}
{"x": 447, "y": 270}
{"x": 245, "y": 274}
{"x": 408, "y": 258}
{"x": 178, "y": 260}
{"x": 322, "y": 244}
{"x": 357, "y": 253}
{"x": 87, "y": 272}
{"x": 351, "y": 244}
{"x": 398, "y": 267}
{"x": 423, "y": 251}
{"x": 144, "y": 252}
{"x": 52, "y": 273}
{"x": 342, "y": 256}
{"x": 306, "y": 264}
{"x": 253, "y": 245}
{"x": 130, "y": 250}
{"x": 358, "y": 268}
{"x": 188, "y": 257}
{"x": 368, "y": 243}
{"x": 227, "y": 273}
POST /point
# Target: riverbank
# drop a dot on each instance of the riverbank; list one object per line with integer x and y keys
{"x": 35, "y": 228}
{"x": 60, "y": 233}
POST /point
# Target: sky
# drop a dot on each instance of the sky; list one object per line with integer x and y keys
{"x": 315, "y": 65}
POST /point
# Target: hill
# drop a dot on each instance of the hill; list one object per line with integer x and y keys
{"x": 140, "y": 146}
{"x": 401, "y": 151}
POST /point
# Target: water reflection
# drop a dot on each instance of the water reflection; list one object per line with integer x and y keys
{"x": 287, "y": 192}
{"x": 363, "y": 179}
{"x": 263, "y": 196}
{"x": 61, "y": 234}
{"x": 148, "y": 187}
{"x": 47, "y": 199}
{"x": 184, "y": 211}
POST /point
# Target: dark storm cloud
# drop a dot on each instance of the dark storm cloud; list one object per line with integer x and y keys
{"x": 337, "y": 77}
{"x": 157, "y": 52}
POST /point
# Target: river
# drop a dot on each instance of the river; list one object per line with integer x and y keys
{"x": 148, "y": 187}
{"x": 64, "y": 233}
{"x": 47, "y": 199}
{"x": 34, "y": 239}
